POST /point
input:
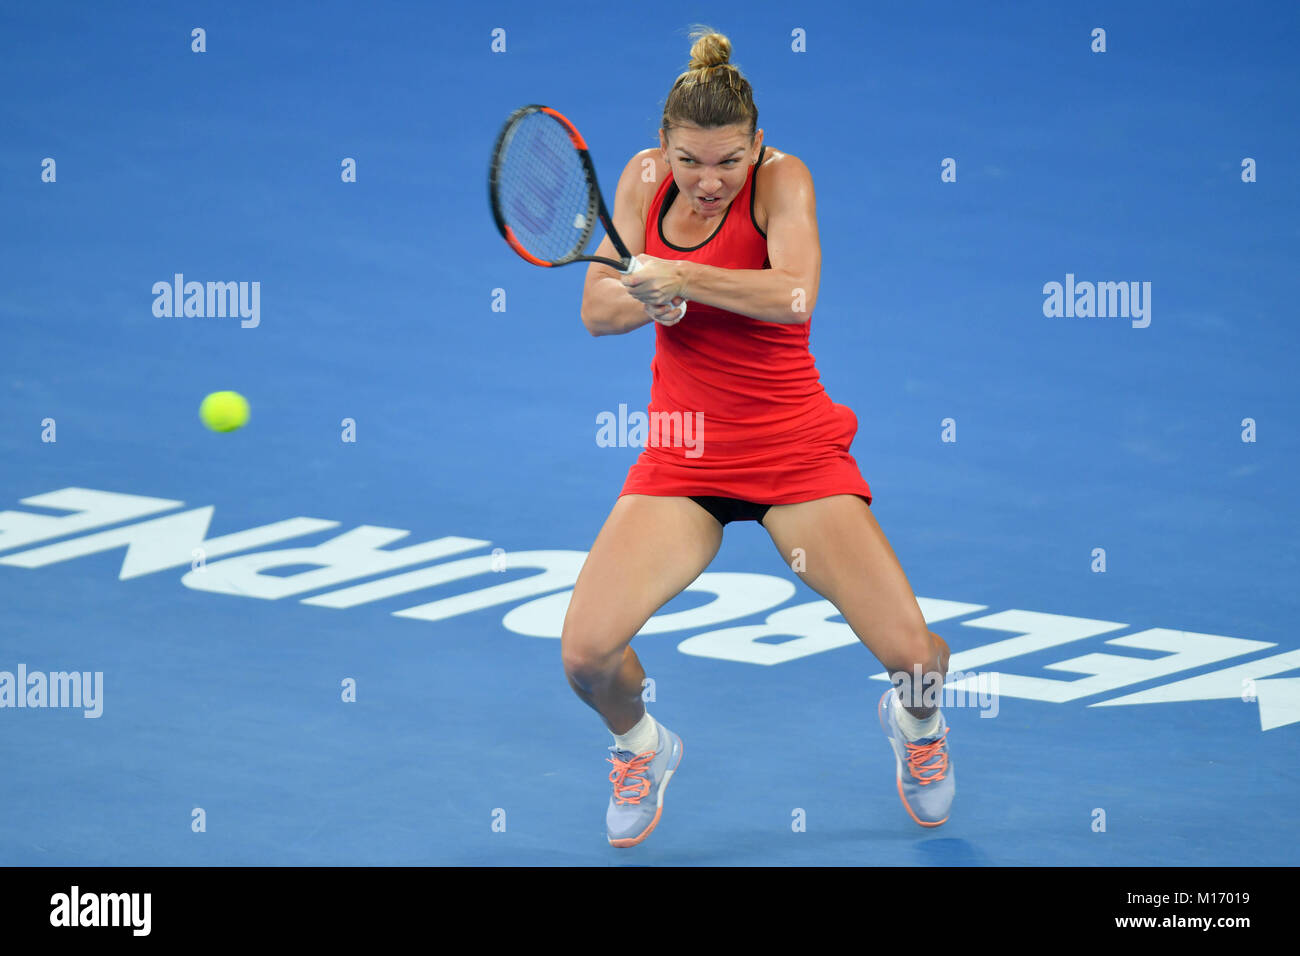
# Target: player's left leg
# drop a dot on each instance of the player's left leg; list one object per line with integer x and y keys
{"x": 846, "y": 559}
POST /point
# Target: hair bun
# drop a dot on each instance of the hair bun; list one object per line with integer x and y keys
{"x": 710, "y": 49}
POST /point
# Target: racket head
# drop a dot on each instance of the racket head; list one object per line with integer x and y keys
{"x": 542, "y": 187}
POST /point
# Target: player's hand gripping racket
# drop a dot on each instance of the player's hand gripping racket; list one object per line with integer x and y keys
{"x": 544, "y": 194}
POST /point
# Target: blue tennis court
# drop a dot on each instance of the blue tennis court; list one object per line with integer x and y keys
{"x": 332, "y": 636}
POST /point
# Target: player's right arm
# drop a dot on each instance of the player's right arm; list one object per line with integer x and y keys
{"x": 607, "y": 307}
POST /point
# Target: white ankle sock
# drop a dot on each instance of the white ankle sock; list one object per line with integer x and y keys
{"x": 913, "y": 728}
{"x": 642, "y": 737}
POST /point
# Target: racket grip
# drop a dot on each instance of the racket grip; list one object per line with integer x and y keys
{"x": 634, "y": 265}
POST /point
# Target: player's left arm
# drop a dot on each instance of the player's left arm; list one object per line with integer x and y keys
{"x": 785, "y": 293}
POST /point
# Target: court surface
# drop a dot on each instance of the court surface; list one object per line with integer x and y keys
{"x": 415, "y": 385}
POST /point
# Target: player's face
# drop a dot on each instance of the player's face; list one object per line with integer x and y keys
{"x": 710, "y": 165}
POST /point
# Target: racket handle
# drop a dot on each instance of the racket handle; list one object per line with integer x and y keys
{"x": 634, "y": 265}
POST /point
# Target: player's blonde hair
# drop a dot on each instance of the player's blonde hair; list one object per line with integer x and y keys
{"x": 712, "y": 92}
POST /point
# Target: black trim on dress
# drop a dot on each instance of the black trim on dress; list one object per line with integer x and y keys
{"x": 753, "y": 191}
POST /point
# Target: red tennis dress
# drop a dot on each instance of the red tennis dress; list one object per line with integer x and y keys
{"x": 737, "y": 407}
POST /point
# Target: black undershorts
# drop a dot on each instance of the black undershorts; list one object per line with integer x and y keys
{"x": 731, "y": 509}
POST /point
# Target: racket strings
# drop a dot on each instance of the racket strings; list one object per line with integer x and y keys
{"x": 544, "y": 193}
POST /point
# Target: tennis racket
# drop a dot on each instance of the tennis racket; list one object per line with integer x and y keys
{"x": 544, "y": 194}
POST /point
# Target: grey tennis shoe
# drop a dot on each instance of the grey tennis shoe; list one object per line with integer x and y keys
{"x": 926, "y": 784}
{"x": 639, "y": 782}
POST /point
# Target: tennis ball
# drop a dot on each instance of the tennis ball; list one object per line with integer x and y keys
{"x": 224, "y": 411}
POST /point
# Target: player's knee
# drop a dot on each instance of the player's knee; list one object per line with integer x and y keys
{"x": 941, "y": 651}
{"x": 590, "y": 670}
{"x": 917, "y": 654}
{"x": 587, "y": 660}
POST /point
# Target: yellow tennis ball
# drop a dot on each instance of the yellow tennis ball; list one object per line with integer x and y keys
{"x": 224, "y": 411}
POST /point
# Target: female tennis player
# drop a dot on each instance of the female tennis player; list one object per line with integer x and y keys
{"x": 729, "y": 226}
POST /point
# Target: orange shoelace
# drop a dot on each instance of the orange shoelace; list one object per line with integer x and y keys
{"x": 918, "y": 755}
{"x": 628, "y": 775}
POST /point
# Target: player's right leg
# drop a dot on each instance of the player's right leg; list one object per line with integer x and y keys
{"x": 649, "y": 549}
